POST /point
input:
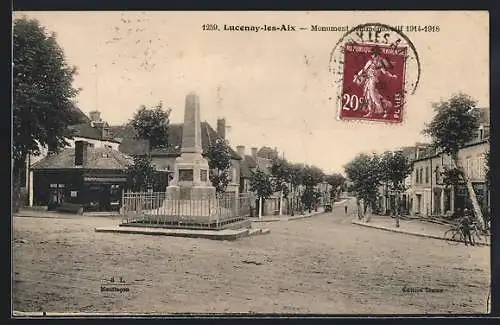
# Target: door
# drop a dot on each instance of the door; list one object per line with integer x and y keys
{"x": 104, "y": 199}
{"x": 94, "y": 197}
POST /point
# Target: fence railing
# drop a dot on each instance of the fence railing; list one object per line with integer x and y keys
{"x": 157, "y": 208}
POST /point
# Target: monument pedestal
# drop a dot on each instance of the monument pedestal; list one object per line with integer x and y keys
{"x": 191, "y": 193}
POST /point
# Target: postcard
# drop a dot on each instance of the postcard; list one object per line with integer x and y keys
{"x": 265, "y": 162}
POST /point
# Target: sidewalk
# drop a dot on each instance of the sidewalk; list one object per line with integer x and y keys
{"x": 413, "y": 227}
{"x": 295, "y": 217}
{"x": 38, "y": 213}
{"x": 286, "y": 217}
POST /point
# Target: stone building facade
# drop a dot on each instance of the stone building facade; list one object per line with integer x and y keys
{"x": 431, "y": 197}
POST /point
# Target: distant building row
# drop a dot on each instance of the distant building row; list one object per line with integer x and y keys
{"x": 91, "y": 171}
{"x": 427, "y": 194}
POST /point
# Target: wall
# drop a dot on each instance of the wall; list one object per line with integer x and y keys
{"x": 472, "y": 160}
{"x": 432, "y": 191}
{"x": 163, "y": 162}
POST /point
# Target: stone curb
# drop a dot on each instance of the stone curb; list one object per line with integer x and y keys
{"x": 363, "y": 224}
{"x": 288, "y": 218}
{"x": 217, "y": 235}
{"x": 226, "y": 234}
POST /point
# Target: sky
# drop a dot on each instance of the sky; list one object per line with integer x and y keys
{"x": 273, "y": 88}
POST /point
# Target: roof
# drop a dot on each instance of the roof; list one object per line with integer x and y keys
{"x": 432, "y": 152}
{"x": 267, "y": 152}
{"x": 77, "y": 116}
{"x": 262, "y": 165}
{"x": 125, "y": 131}
{"x": 246, "y": 165}
{"x": 134, "y": 147}
{"x": 208, "y": 135}
{"x": 97, "y": 158}
{"x": 85, "y": 130}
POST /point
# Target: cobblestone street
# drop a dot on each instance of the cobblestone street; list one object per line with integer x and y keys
{"x": 323, "y": 264}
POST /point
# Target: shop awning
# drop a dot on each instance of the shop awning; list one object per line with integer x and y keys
{"x": 104, "y": 179}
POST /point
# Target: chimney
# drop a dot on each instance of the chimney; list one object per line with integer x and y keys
{"x": 80, "y": 153}
{"x": 241, "y": 151}
{"x": 95, "y": 116}
{"x": 221, "y": 127}
{"x": 254, "y": 152}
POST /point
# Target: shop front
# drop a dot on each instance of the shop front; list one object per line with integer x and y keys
{"x": 462, "y": 199}
{"x": 94, "y": 190}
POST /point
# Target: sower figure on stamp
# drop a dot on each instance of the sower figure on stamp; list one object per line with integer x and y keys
{"x": 368, "y": 78}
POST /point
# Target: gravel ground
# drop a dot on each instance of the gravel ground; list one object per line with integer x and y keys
{"x": 322, "y": 264}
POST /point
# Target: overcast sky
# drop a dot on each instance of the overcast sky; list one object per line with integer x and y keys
{"x": 260, "y": 82}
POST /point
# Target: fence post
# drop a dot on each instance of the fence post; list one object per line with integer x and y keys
{"x": 281, "y": 203}
{"x": 260, "y": 207}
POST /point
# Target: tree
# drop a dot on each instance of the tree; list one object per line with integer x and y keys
{"x": 219, "y": 161}
{"x": 454, "y": 125}
{"x": 152, "y": 124}
{"x": 394, "y": 168}
{"x": 296, "y": 179}
{"x": 280, "y": 170}
{"x": 260, "y": 183}
{"x": 336, "y": 181}
{"x": 311, "y": 177}
{"x": 43, "y": 95}
{"x": 141, "y": 175}
{"x": 364, "y": 173}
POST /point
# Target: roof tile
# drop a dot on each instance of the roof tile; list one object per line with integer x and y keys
{"x": 97, "y": 158}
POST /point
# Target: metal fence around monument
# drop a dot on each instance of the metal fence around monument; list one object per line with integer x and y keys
{"x": 155, "y": 208}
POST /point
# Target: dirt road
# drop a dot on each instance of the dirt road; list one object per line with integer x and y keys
{"x": 323, "y": 264}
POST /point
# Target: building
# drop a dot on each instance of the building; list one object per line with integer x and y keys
{"x": 387, "y": 199}
{"x": 430, "y": 196}
{"x": 93, "y": 131}
{"x": 93, "y": 177}
{"x": 163, "y": 159}
{"x": 248, "y": 164}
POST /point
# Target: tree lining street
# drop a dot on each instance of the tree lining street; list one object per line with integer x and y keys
{"x": 322, "y": 264}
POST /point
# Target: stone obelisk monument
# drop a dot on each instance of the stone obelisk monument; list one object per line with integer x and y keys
{"x": 191, "y": 183}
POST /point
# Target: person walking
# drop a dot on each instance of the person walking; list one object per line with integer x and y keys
{"x": 345, "y": 209}
{"x": 465, "y": 225}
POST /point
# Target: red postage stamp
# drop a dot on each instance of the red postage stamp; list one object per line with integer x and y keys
{"x": 373, "y": 85}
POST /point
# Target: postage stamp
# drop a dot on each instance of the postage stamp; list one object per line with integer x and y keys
{"x": 376, "y": 67}
{"x": 373, "y": 82}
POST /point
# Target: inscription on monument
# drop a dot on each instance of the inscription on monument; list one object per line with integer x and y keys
{"x": 203, "y": 175}
{"x": 185, "y": 175}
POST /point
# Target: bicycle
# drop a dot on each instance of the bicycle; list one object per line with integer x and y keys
{"x": 479, "y": 236}
{"x": 454, "y": 235}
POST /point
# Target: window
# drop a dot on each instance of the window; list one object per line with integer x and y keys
{"x": 427, "y": 174}
{"x": 480, "y": 167}
{"x": 486, "y": 132}
{"x": 421, "y": 173}
{"x": 416, "y": 176}
{"x": 57, "y": 193}
{"x": 468, "y": 167}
